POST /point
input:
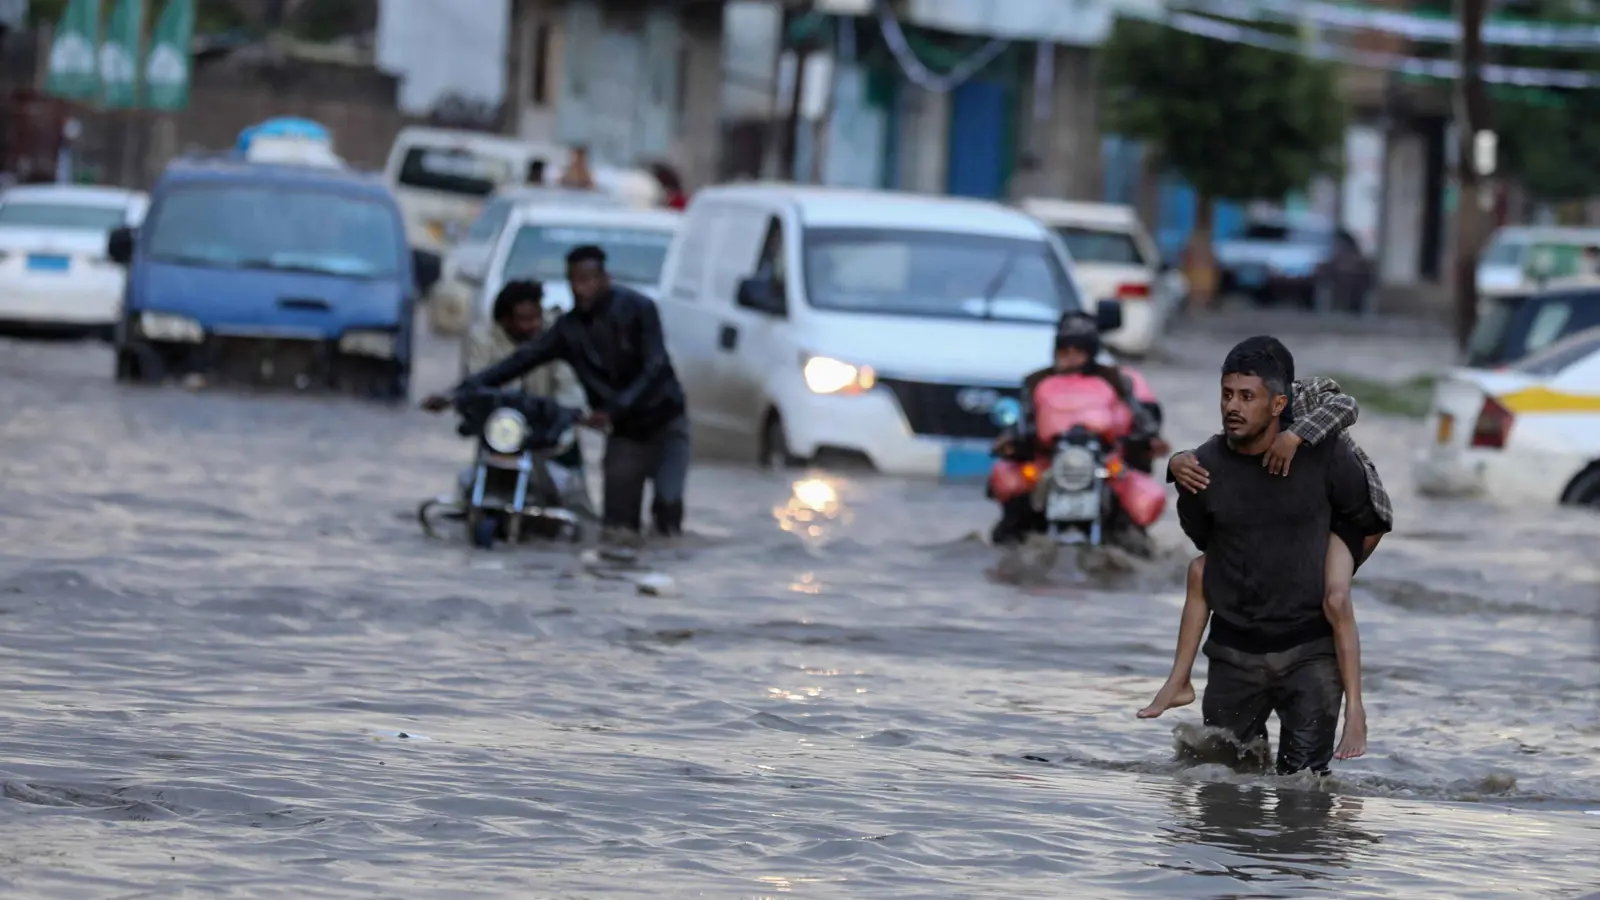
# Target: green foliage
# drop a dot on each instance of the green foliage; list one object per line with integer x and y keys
{"x": 1239, "y": 123}
{"x": 1550, "y": 147}
{"x": 211, "y": 16}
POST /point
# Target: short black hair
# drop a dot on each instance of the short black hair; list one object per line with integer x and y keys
{"x": 587, "y": 253}
{"x": 517, "y": 292}
{"x": 1266, "y": 343}
{"x": 1247, "y": 360}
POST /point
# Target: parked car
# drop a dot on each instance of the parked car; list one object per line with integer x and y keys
{"x": 1278, "y": 259}
{"x": 860, "y": 325}
{"x": 450, "y": 302}
{"x": 1530, "y": 431}
{"x": 270, "y": 275}
{"x": 54, "y": 274}
{"x": 1512, "y": 326}
{"x": 536, "y": 239}
{"x": 1114, "y": 258}
{"x": 1519, "y": 258}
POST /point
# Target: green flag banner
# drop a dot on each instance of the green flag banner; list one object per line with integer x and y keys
{"x": 119, "y": 55}
{"x": 73, "y": 72}
{"x": 166, "y": 68}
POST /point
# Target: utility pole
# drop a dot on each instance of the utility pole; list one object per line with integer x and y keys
{"x": 791, "y": 128}
{"x": 1472, "y": 120}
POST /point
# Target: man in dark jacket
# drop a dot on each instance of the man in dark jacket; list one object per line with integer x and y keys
{"x": 613, "y": 341}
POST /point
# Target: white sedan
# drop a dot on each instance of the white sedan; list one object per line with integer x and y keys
{"x": 535, "y": 241}
{"x": 54, "y": 273}
{"x": 1114, "y": 258}
{"x": 1530, "y": 432}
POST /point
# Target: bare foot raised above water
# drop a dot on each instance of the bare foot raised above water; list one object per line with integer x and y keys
{"x": 1354, "y": 741}
{"x": 1171, "y": 696}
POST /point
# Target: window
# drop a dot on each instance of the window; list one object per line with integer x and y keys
{"x": 935, "y": 274}
{"x": 1558, "y": 356}
{"x": 539, "y": 90}
{"x": 488, "y": 223}
{"x": 771, "y": 262}
{"x": 454, "y": 171}
{"x": 1111, "y": 247}
{"x": 71, "y": 216}
{"x": 275, "y": 227}
{"x": 633, "y": 255}
{"x": 1504, "y": 253}
{"x": 1547, "y": 325}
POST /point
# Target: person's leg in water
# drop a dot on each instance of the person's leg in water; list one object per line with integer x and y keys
{"x": 1336, "y": 605}
{"x": 1178, "y": 691}
{"x": 670, "y": 478}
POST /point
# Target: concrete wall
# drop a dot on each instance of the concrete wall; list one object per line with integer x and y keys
{"x": 1061, "y": 136}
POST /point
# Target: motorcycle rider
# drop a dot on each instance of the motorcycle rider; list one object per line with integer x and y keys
{"x": 614, "y": 343}
{"x": 518, "y": 318}
{"x": 1077, "y": 346}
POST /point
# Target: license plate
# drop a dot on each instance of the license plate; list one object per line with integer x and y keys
{"x": 1447, "y": 428}
{"x": 1081, "y": 506}
{"x": 963, "y": 463}
{"x": 43, "y": 263}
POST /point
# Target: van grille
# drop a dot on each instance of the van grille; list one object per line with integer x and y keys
{"x": 933, "y": 410}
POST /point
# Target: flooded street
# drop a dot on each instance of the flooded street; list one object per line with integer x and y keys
{"x": 217, "y": 613}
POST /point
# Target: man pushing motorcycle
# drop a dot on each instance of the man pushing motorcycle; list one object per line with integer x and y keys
{"x": 1077, "y": 346}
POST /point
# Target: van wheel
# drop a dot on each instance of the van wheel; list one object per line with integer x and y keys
{"x": 1585, "y": 489}
{"x": 775, "y": 453}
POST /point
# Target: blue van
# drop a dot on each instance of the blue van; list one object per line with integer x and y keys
{"x": 270, "y": 276}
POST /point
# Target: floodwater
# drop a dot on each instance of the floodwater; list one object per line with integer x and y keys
{"x": 217, "y": 615}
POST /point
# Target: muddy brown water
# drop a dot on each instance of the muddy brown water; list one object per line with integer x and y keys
{"x": 217, "y": 616}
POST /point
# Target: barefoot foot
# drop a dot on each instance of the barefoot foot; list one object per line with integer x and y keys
{"x": 1354, "y": 741}
{"x": 1171, "y": 696}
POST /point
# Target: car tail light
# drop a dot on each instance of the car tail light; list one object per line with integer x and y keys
{"x": 1133, "y": 292}
{"x": 1493, "y": 425}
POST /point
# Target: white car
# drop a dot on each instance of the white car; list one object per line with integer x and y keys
{"x": 54, "y": 272}
{"x": 1505, "y": 266}
{"x": 450, "y": 302}
{"x": 1114, "y": 258}
{"x": 535, "y": 241}
{"x": 866, "y": 325}
{"x": 1526, "y": 433}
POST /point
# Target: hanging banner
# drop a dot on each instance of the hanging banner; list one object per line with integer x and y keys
{"x": 73, "y": 72}
{"x": 119, "y": 54}
{"x": 1412, "y": 26}
{"x": 166, "y": 69}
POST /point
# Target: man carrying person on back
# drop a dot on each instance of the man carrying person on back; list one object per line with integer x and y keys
{"x": 1265, "y": 538}
{"x": 614, "y": 343}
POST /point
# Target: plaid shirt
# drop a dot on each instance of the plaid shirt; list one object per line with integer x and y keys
{"x": 1322, "y": 408}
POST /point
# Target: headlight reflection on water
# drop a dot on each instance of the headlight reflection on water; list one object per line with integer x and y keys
{"x": 813, "y": 507}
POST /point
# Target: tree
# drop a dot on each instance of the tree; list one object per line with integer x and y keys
{"x": 1237, "y": 122}
{"x": 1549, "y": 139}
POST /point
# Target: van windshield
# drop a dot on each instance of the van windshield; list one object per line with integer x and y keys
{"x": 275, "y": 227}
{"x": 1503, "y": 252}
{"x": 935, "y": 274}
{"x": 453, "y": 171}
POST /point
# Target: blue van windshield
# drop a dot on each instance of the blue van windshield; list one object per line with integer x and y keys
{"x": 279, "y": 227}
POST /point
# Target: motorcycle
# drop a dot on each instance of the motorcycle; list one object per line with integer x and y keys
{"x": 515, "y": 487}
{"x": 1077, "y": 474}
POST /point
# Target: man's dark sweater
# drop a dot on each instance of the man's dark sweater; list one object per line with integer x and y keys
{"x": 1265, "y": 538}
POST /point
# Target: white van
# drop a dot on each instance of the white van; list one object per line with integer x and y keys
{"x": 863, "y": 324}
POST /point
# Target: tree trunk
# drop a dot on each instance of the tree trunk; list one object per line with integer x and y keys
{"x": 1199, "y": 263}
{"x": 1472, "y": 116}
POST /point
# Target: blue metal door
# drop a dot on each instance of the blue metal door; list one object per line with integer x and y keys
{"x": 978, "y": 140}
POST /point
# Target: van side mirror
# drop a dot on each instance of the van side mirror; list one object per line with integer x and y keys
{"x": 425, "y": 269}
{"x": 762, "y": 295}
{"x": 119, "y": 245}
{"x": 1108, "y": 316}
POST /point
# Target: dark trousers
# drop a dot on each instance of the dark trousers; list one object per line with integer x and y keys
{"x": 662, "y": 459}
{"x": 1300, "y": 684}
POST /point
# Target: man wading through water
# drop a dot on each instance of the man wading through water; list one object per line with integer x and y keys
{"x": 1265, "y": 539}
{"x": 613, "y": 341}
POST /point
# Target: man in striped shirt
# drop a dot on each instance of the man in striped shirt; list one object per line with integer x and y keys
{"x": 1318, "y": 410}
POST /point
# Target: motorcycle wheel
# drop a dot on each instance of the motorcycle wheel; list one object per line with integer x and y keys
{"x": 481, "y": 528}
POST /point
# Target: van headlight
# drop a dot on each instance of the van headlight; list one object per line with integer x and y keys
{"x": 505, "y": 431}
{"x": 378, "y": 344}
{"x": 158, "y": 326}
{"x": 825, "y": 375}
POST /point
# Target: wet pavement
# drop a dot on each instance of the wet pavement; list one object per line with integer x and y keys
{"x": 217, "y": 615}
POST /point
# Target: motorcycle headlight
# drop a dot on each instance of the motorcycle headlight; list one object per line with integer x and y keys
{"x": 824, "y": 375}
{"x": 505, "y": 431}
{"x": 157, "y": 326}
{"x": 1073, "y": 468}
{"x": 379, "y": 344}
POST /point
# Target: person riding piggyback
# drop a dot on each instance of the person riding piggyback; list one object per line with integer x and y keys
{"x": 1077, "y": 345}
